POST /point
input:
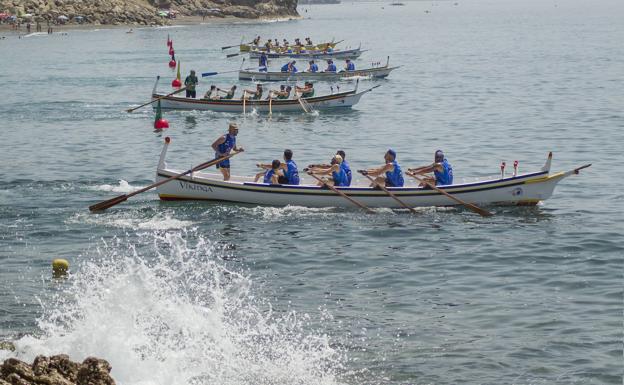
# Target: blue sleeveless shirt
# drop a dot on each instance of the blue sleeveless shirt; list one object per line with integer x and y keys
{"x": 394, "y": 178}
{"x": 351, "y": 66}
{"x": 291, "y": 173}
{"x": 340, "y": 177}
{"x": 285, "y": 68}
{"x": 268, "y": 175}
{"x": 314, "y": 68}
{"x": 228, "y": 145}
{"x": 446, "y": 176}
{"x": 345, "y": 166}
{"x": 331, "y": 68}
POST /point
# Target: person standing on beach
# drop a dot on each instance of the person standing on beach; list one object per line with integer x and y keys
{"x": 190, "y": 83}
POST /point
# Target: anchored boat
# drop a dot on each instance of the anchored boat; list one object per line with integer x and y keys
{"x": 374, "y": 72}
{"x": 526, "y": 189}
{"x": 331, "y": 101}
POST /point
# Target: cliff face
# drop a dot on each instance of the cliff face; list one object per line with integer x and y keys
{"x": 145, "y": 12}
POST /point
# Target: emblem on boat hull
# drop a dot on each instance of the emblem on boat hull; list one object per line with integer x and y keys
{"x": 517, "y": 192}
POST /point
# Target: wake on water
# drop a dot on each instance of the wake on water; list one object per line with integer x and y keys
{"x": 171, "y": 311}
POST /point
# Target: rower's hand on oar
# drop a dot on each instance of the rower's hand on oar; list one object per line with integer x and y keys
{"x": 363, "y": 172}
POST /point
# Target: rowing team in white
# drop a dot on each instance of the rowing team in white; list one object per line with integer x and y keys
{"x": 337, "y": 172}
{"x": 307, "y": 91}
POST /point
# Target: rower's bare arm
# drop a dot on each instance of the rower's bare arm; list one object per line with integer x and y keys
{"x": 215, "y": 145}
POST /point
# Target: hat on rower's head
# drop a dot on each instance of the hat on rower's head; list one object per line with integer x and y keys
{"x": 338, "y": 158}
{"x": 233, "y": 125}
{"x": 439, "y": 156}
{"x": 348, "y": 60}
{"x": 391, "y": 152}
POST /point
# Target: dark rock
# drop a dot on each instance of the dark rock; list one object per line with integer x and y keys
{"x": 56, "y": 370}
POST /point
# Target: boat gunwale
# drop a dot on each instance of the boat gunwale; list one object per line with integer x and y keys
{"x": 472, "y": 187}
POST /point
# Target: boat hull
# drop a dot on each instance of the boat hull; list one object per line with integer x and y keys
{"x": 380, "y": 72}
{"x": 528, "y": 189}
{"x": 333, "y": 101}
{"x": 346, "y": 54}
{"x": 320, "y": 46}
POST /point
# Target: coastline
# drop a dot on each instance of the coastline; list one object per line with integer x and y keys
{"x": 179, "y": 21}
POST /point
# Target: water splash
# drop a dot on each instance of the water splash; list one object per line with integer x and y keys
{"x": 122, "y": 187}
{"x": 171, "y": 312}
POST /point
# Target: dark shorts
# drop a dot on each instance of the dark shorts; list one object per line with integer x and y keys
{"x": 389, "y": 184}
{"x": 191, "y": 94}
{"x": 224, "y": 164}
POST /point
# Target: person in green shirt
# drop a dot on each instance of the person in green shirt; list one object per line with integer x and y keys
{"x": 191, "y": 83}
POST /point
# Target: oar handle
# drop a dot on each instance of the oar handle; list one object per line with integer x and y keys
{"x": 360, "y": 205}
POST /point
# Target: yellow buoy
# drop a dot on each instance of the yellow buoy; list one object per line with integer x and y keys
{"x": 60, "y": 267}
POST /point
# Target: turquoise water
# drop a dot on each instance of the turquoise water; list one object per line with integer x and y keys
{"x": 178, "y": 293}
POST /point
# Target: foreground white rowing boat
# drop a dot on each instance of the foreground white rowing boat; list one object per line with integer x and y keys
{"x": 527, "y": 189}
{"x": 338, "y": 100}
{"x": 373, "y": 72}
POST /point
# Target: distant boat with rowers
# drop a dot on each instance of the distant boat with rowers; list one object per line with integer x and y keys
{"x": 316, "y": 54}
{"x": 339, "y": 100}
{"x": 521, "y": 190}
{"x": 317, "y": 47}
{"x": 373, "y": 72}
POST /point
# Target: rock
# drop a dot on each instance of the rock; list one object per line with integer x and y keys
{"x": 56, "y": 370}
{"x": 6, "y": 345}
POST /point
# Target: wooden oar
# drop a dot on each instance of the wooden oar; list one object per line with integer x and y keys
{"x": 157, "y": 99}
{"x": 232, "y": 46}
{"x": 339, "y": 192}
{"x": 270, "y": 103}
{"x": 232, "y": 55}
{"x": 390, "y": 194}
{"x": 122, "y": 198}
{"x": 472, "y": 207}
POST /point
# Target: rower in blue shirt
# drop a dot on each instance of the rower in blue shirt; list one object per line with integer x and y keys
{"x": 262, "y": 62}
{"x": 313, "y": 67}
{"x": 289, "y": 174}
{"x": 350, "y": 65}
{"x": 271, "y": 175}
{"x": 338, "y": 175}
{"x": 441, "y": 169}
{"x": 289, "y": 67}
{"x": 331, "y": 67}
{"x": 345, "y": 165}
{"x": 223, "y": 146}
{"x": 389, "y": 174}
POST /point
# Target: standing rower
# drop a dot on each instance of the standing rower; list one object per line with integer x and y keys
{"x": 441, "y": 168}
{"x": 393, "y": 175}
{"x": 223, "y": 146}
{"x": 262, "y": 62}
{"x": 190, "y": 83}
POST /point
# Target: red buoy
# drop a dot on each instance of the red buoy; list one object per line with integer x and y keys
{"x": 176, "y": 83}
{"x": 171, "y": 51}
{"x": 172, "y": 63}
{"x": 161, "y": 124}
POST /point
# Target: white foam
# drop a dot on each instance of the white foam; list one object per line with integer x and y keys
{"x": 122, "y": 187}
{"x": 129, "y": 220}
{"x": 170, "y": 312}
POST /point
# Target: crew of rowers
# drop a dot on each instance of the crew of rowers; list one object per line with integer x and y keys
{"x": 307, "y": 91}
{"x": 275, "y": 44}
{"x": 338, "y": 172}
{"x": 312, "y": 66}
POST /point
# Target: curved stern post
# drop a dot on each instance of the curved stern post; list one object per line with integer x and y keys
{"x": 161, "y": 162}
{"x": 155, "y": 85}
{"x": 387, "y": 61}
{"x": 548, "y": 162}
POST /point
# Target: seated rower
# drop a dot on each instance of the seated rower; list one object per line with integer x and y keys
{"x": 344, "y": 165}
{"x": 285, "y": 44}
{"x": 229, "y": 94}
{"x": 290, "y": 173}
{"x": 277, "y": 46}
{"x": 289, "y": 67}
{"x": 211, "y": 94}
{"x": 350, "y": 66}
{"x": 255, "y": 95}
{"x": 393, "y": 175}
{"x": 308, "y": 41}
{"x": 338, "y": 174}
{"x": 256, "y": 41}
{"x": 283, "y": 93}
{"x": 441, "y": 168}
{"x": 313, "y": 67}
{"x": 271, "y": 175}
{"x": 268, "y": 45}
{"x": 331, "y": 67}
{"x": 307, "y": 91}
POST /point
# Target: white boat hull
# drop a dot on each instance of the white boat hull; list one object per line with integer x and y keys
{"x": 334, "y": 101}
{"x": 527, "y": 189}
{"x": 379, "y": 72}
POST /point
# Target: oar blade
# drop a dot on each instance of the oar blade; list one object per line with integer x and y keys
{"x": 232, "y": 55}
{"x": 206, "y": 74}
{"x": 108, "y": 203}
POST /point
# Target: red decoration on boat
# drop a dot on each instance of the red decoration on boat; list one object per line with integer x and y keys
{"x": 171, "y": 51}
{"x": 176, "y": 83}
{"x": 172, "y": 63}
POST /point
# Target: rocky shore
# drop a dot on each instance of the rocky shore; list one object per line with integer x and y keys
{"x": 142, "y": 12}
{"x": 56, "y": 370}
